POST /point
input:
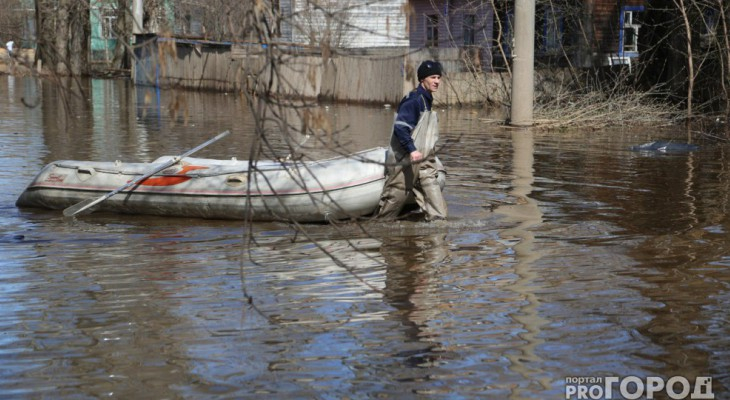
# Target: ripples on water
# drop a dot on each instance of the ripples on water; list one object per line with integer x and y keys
{"x": 566, "y": 255}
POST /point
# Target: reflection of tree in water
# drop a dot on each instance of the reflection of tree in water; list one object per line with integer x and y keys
{"x": 674, "y": 206}
{"x": 686, "y": 273}
{"x": 410, "y": 280}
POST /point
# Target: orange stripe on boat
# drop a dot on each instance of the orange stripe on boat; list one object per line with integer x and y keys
{"x": 171, "y": 180}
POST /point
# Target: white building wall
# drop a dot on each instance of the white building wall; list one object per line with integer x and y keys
{"x": 355, "y": 23}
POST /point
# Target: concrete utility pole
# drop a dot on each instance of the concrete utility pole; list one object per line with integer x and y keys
{"x": 137, "y": 16}
{"x": 523, "y": 63}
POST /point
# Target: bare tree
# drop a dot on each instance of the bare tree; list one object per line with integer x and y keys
{"x": 122, "y": 31}
{"x": 63, "y": 35}
{"x": 12, "y": 21}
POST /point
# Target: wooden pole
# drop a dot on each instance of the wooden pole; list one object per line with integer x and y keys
{"x": 523, "y": 64}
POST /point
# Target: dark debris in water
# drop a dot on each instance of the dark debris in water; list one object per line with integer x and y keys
{"x": 20, "y": 238}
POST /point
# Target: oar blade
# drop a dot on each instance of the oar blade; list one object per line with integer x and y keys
{"x": 80, "y": 207}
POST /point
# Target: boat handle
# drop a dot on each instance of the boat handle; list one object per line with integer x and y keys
{"x": 84, "y": 173}
{"x": 236, "y": 180}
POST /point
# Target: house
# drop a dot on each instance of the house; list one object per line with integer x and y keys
{"x": 472, "y": 38}
{"x": 461, "y": 25}
{"x": 351, "y": 24}
{"x": 615, "y": 29}
{"x": 590, "y": 33}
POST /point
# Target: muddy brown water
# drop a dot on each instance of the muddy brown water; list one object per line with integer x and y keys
{"x": 565, "y": 255}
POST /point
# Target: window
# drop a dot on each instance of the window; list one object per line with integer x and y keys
{"x": 552, "y": 30}
{"x": 194, "y": 25}
{"x": 503, "y": 32}
{"x": 107, "y": 27}
{"x": 432, "y": 30}
{"x": 710, "y": 18}
{"x": 276, "y": 24}
{"x": 629, "y": 32}
{"x": 469, "y": 29}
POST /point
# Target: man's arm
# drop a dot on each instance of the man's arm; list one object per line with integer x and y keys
{"x": 405, "y": 122}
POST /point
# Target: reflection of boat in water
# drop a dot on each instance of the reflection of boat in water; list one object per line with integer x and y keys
{"x": 307, "y": 191}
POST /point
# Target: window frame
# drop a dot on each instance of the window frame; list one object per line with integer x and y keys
{"x": 431, "y": 25}
{"x": 469, "y": 29}
{"x": 502, "y": 33}
{"x": 627, "y": 22}
{"x": 710, "y": 19}
{"x": 553, "y": 30}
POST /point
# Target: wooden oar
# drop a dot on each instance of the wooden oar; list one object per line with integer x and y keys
{"x": 87, "y": 204}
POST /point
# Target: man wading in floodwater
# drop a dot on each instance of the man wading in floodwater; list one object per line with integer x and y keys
{"x": 412, "y": 163}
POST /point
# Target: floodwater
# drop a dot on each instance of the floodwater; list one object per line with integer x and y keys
{"x": 565, "y": 255}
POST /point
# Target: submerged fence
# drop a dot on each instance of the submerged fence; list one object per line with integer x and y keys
{"x": 374, "y": 76}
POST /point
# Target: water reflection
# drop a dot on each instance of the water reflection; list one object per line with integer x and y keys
{"x": 107, "y": 120}
{"x": 526, "y": 214}
{"x": 654, "y": 213}
{"x": 411, "y": 287}
{"x": 685, "y": 273}
{"x": 567, "y": 255}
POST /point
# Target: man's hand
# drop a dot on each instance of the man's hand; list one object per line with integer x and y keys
{"x": 416, "y": 156}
